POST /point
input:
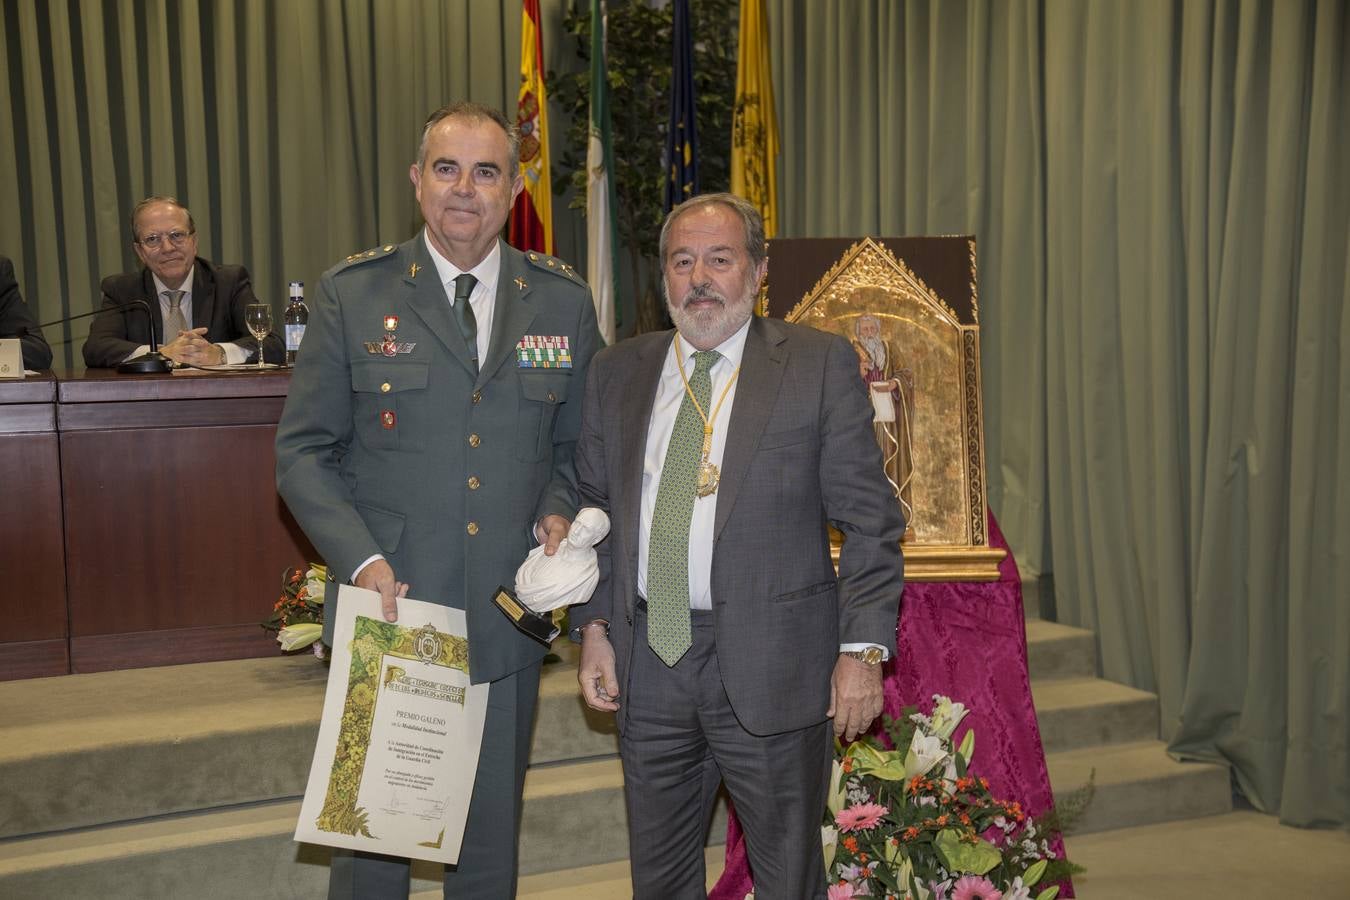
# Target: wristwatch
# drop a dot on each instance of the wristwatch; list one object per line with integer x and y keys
{"x": 870, "y": 656}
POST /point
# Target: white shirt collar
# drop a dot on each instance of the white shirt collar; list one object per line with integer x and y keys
{"x": 731, "y": 350}
{"x": 185, "y": 287}
{"x": 486, "y": 271}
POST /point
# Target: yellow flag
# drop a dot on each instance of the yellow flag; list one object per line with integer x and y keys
{"x": 754, "y": 131}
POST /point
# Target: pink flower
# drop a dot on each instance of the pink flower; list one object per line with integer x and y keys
{"x": 839, "y": 892}
{"x": 860, "y": 817}
{"x": 973, "y": 887}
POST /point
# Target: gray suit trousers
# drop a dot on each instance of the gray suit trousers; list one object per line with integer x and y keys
{"x": 681, "y": 739}
{"x": 488, "y": 858}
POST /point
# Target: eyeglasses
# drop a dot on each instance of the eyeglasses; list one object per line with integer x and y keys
{"x": 173, "y": 237}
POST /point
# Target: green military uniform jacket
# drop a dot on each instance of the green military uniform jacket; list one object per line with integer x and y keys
{"x": 391, "y": 443}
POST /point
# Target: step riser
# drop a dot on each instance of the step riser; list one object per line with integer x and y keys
{"x": 1074, "y": 657}
{"x": 139, "y": 781}
{"x": 272, "y": 865}
{"x": 566, "y": 728}
{"x": 266, "y": 866}
{"x": 1194, "y": 794}
{"x": 1090, "y": 726}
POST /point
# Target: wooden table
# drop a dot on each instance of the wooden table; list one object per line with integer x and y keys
{"x": 174, "y": 536}
{"x": 32, "y": 548}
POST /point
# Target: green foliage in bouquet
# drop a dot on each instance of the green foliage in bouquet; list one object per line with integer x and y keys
{"x": 914, "y": 823}
{"x": 297, "y": 617}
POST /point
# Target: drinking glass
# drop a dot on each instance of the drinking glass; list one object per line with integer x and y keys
{"x": 258, "y": 318}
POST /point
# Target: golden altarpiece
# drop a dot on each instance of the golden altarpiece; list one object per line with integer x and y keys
{"x": 910, "y": 309}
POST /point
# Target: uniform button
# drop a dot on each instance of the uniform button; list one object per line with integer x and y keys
{"x": 472, "y": 528}
{"x": 477, "y": 396}
{"x": 384, "y": 388}
{"x": 474, "y": 440}
{"x": 474, "y": 482}
{"x": 551, "y": 398}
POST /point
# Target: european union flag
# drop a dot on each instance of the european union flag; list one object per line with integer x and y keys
{"x": 681, "y": 132}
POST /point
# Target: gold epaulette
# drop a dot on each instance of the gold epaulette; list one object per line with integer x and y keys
{"x": 546, "y": 263}
{"x": 372, "y": 253}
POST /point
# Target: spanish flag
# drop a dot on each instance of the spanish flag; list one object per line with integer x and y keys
{"x": 754, "y": 130}
{"x": 532, "y": 216}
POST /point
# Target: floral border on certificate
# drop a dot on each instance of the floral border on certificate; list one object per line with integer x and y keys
{"x": 373, "y": 641}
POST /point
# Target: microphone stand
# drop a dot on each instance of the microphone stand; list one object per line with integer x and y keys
{"x": 151, "y": 363}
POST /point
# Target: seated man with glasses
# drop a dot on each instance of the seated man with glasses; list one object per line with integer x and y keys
{"x": 198, "y": 307}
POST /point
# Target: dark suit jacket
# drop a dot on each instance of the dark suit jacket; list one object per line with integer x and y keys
{"x": 800, "y": 452}
{"x": 219, "y": 297}
{"x": 416, "y": 456}
{"x": 16, "y": 319}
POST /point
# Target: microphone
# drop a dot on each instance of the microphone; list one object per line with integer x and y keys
{"x": 152, "y": 363}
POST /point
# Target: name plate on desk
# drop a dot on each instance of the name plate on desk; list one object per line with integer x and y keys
{"x": 11, "y": 358}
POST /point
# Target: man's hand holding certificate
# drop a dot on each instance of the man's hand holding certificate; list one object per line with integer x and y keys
{"x": 398, "y": 745}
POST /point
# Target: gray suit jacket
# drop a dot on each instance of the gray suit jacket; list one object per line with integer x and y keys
{"x": 800, "y": 453}
{"x": 417, "y": 457}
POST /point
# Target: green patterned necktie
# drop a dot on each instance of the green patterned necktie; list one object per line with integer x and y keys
{"x": 668, "y": 630}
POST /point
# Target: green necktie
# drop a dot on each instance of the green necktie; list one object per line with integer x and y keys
{"x": 468, "y": 325}
{"x": 668, "y": 630}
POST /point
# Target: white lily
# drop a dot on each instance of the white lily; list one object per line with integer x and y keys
{"x": 946, "y": 716}
{"x": 314, "y": 581}
{"x": 829, "y": 842}
{"x": 293, "y": 637}
{"x": 835, "y": 800}
{"x": 925, "y": 752}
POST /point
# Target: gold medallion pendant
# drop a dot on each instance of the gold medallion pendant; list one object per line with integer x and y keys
{"x": 707, "y": 478}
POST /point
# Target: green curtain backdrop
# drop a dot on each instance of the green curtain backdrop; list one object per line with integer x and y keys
{"x": 286, "y": 127}
{"x": 1162, "y": 204}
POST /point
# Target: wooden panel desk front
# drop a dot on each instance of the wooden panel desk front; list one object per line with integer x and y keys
{"x": 32, "y": 550}
{"x": 175, "y": 538}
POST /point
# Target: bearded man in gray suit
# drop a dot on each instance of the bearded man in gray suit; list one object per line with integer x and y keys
{"x": 429, "y": 429}
{"x": 720, "y": 634}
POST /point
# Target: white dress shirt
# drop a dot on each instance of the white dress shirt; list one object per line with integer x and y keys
{"x": 484, "y": 296}
{"x": 669, "y": 395}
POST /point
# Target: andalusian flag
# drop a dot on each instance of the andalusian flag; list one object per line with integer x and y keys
{"x": 532, "y": 217}
{"x": 754, "y": 132}
{"x": 681, "y": 131}
{"x": 600, "y": 243}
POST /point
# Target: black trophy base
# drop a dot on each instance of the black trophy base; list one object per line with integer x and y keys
{"x": 541, "y": 628}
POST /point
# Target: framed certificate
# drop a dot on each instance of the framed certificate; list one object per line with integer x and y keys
{"x": 398, "y": 745}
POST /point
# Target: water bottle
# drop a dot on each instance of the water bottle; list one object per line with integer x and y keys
{"x": 297, "y": 316}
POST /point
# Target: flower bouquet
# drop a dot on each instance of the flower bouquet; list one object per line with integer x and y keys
{"x": 297, "y": 617}
{"x": 914, "y": 824}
